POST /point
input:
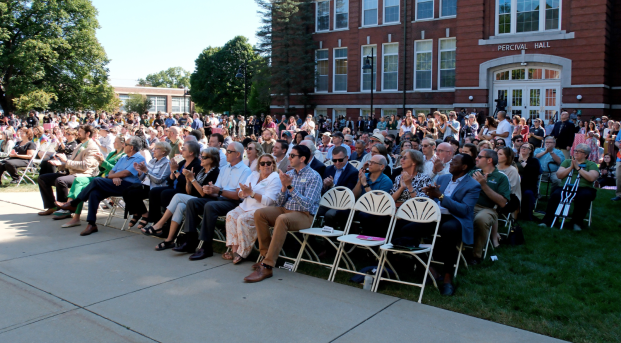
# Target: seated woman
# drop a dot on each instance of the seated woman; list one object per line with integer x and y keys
{"x": 470, "y": 149}
{"x": 608, "y": 172}
{"x": 530, "y": 169}
{"x": 20, "y": 156}
{"x": 210, "y": 160}
{"x": 62, "y": 147}
{"x": 6, "y": 141}
{"x": 254, "y": 151}
{"x": 260, "y": 190}
{"x": 153, "y": 174}
{"x": 412, "y": 179}
{"x": 105, "y": 166}
{"x": 589, "y": 172}
{"x": 505, "y": 166}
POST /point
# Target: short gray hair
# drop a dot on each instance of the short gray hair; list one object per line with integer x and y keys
{"x": 584, "y": 147}
{"x": 552, "y": 138}
{"x": 190, "y": 138}
{"x": 165, "y": 146}
{"x": 311, "y": 146}
{"x": 239, "y": 147}
{"x": 382, "y": 160}
{"x": 418, "y": 158}
{"x": 135, "y": 142}
{"x": 489, "y": 153}
{"x": 360, "y": 141}
{"x": 310, "y": 138}
{"x": 193, "y": 147}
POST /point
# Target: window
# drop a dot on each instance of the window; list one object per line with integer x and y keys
{"x": 447, "y": 62}
{"x": 449, "y": 8}
{"x": 178, "y": 105}
{"x": 323, "y": 113}
{"x": 340, "y": 70}
{"x": 123, "y": 98}
{"x": 322, "y": 71}
{"x": 424, "y": 9}
{"x": 520, "y": 16}
{"x": 323, "y": 16}
{"x": 528, "y": 74}
{"x": 422, "y": 74}
{"x": 368, "y": 51}
{"x": 342, "y": 14}
{"x": 391, "y": 11}
{"x": 390, "y": 66}
{"x": 369, "y": 10}
{"x": 365, "y": 114}
{"x": 158, "y": 103}
{"x": 387, "y": 113}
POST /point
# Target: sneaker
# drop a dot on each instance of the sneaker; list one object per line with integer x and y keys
{"x": 14, "y": 182}
{"x": 617, "y": 198}
{"x": 61, "y": 212}
{"x": 577, "y": 227}
{"x": 543, "y": 224}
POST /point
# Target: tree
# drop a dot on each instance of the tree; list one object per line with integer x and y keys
{"x": 35, "y": 100}
{"x": 285, "y": 38}
{"x": 175, "y": 77}
{"x": 138, "y": 103}
{"x": 213, "y": 82}
{"x": 259, "y": 100}
{"x": 49, "y": 46}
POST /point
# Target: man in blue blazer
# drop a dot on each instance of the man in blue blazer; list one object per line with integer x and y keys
{"x": 457, "y": 194}
{"x": 341, "y": 173}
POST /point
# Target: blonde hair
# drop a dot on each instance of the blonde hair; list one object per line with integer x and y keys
{"x": 259, "y": 148}
{"x": 272, "y": 158}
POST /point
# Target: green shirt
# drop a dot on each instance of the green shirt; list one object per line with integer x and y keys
{"x": 590, "y": 165}
{"x": 175, "y": 148}
{"x": 499, "y": 183}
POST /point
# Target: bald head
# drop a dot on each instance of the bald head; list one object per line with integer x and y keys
{"x": 445, "y": 151}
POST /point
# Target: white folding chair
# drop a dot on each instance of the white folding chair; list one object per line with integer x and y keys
{"x": 328, "y": 163}
{"x": 338, "y": 198}
{"x": 116, "y": 205}
{"x": 538, "y": 192}
{"x": 356, "y": 164}
{"x": 31, "y": 168}
{"x": 378, "y": 203}
{"x": 416, "y": 210}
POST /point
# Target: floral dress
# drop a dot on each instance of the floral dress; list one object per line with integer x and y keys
{"x": 419, "y": 181}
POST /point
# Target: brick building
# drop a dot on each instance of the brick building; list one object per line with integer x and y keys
{"x": 541, "y": 56}
{"x": 166, "y": 100}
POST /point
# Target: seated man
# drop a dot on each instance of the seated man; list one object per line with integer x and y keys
{"x": 223, "y": 197}
{"x": 359, "y": 151}
{"x": 589, "y": 172}
{"x": 341, "y": 173}
{"x": 297, "y": 203}
{"x": 314, "y": 163}
{"x": 121, "y": 177}
{"x": 457, "y": 194}
{"x": 550, "y": 159}
{"x": 81, "y": 163}
{"x": 444, "y": 153}
{"x": 495, "y": 192}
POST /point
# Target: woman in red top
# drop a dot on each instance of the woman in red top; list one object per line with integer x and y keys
{"x": 269, "y": 124}
{"x": 525, "y": 129}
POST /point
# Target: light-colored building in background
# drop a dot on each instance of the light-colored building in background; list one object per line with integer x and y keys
{"x": 168, "y": 100}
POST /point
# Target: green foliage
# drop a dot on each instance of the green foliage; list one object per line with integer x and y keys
{"x": 37, "y": 99}
{"x": 50, "y": 46}
{"x": 175, "y": 77}
{"x": 213, "y": 82}
{"x": 259, "y": 100}
{"x": 138, "y": 103}
{"x": 286, "y": 40}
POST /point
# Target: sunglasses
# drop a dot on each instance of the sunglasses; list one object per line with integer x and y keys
{"x": 249, "y": 148}
{"x": 479, "y": 156}
{"x": 205, "y": 157}
{"x": 294, "y": 155}
{"x": 263, "y": 164}
{"x": 339, "y": 160}
{"x": 231, "y": 152}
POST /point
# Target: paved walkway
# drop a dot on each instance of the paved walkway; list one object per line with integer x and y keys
{"x": 56, "y": 286}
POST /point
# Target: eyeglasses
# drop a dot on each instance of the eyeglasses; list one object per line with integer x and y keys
{"x": 249, "y": 148}
{"x": 347, "y": 140}
{"x": 580, "y": 151}
{"x": 263, "y": 164}
{"x": 294, "y": 155}
{"x": 479, "y": 156}
{"x": 373, "y": 162}
{"x": 426, "y": 145}
{"x": 525, "y": 147}
{"x": 339, "y": 160}
{"x": 231, "y": 151}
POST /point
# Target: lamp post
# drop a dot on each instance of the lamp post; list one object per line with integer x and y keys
{"x": 241, "y": 72}
{"x": 368, "y": 64}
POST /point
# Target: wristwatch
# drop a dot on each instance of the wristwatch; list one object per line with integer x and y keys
{"x": 252, "y": 195}
{"x": 365, "y": 186}
{"x": 441, "y": 197}
{"x": 220, "y": 192}
{"x": 289, "y": 187}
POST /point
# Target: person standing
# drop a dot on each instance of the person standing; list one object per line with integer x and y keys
{"x": 504, "y": 129}
{"x": 536, "y": 134}
{"x": 564, "y": 131}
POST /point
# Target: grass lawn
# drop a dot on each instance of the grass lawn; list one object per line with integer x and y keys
{"x": 25, "y": 186}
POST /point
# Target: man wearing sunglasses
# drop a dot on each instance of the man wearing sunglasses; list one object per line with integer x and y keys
{"x": 340, "y": 174}
{"x": 223, "y": 198}
{"x": 296, "y": 205}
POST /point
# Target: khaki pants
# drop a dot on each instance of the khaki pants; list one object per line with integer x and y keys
{"x": 484, "y": 218}
{"x": 283, "y": 221}
{"x": 619, "y": 179}
{"x": 566, "y": 153}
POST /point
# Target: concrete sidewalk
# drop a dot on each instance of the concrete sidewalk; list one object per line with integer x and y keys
{"x": 56, "y": 286}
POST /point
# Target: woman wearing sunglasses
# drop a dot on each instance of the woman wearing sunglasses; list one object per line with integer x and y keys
{"x": 260, "y": 190}
{"x": 253, "y": 152}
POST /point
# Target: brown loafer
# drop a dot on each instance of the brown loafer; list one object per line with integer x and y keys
{"x": 256, "y": 266}
{"x": 259, "y": 274}
{"x": 89, "y": 229}
{"x": 67, "y": 206}
{"x": 47, "y": 212}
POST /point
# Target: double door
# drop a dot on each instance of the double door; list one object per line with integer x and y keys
{"x": 530, "y": 101}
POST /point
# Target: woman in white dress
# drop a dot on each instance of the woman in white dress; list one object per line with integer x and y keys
{"x": 260, "y": 190}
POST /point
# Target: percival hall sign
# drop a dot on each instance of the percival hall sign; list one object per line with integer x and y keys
{"x": 522, "y": 46}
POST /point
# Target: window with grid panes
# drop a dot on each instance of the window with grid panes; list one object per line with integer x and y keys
{"x": 423, "y": 55}
{"x": 340, "y": 70}
{"x": 342, "y": 14}
{"x": 447, "y": 62}
{"x": 323, "y": 15}
{"x": 424, "y": 9}
{"x": 369, "y": 12}
{"x": 322, "y": 71}
{"x": 158, "y": 103}
{"x": 367, "y": 78}
{"x": 449, "y": 8}
{"x": 391, "y": 63}
{"x": 519, "y": 16}
{"x": 391, "y": 11}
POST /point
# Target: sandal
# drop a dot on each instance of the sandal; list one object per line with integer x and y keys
{"x": 238, "y": 259}
{"x": 227, "y": 255}
{"x": 134, "y": 220}
{"x": 150, "y": 231}
{"x": 165, "y": 245}
{"x": 142, "y": 223}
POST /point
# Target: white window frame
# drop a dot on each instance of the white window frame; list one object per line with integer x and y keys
{"x": 397, "y": 72}
{"x": 432, "y": 10}
{"x": 542, "y": 18}
{"x": 399, "y": 11}
{"x": 155, "y": 105}
{"x": 316, "y": 71}
{"x": 334, "y": 70}
{"x": 440, "y": 60}
{"x": 376, "y": 15}
{"x": 389, "y": 109}
{"x": 124, "y": 98}
{"x": 362, "y": 57}
{"x": 336, "y": 115}
{"x": 336, "y": 13}
{"x": 317, "y": 16}
{"x": 447, "y": 16}
{"x": 182, "y": 108}
{"x": 415, "y": 70}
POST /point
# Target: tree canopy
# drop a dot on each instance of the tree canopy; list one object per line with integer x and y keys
{"x": 214, "y": 84}
{"x": 175, "y": 77}
{"x": 48, "y": 50}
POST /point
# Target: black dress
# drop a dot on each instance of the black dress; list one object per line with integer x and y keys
{"x": 10, "y": 165}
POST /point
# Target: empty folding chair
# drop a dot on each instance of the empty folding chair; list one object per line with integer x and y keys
{"x": 416, "y": 210}
{"x": 356, "y": 164}
{"x": 328, "y": 163}
{"x": 116, "y": 206}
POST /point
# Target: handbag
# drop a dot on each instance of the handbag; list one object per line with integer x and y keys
{"x": 516, "y": 236}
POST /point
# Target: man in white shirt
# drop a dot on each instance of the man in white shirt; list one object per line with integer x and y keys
{"x": 215, "y": 141}
{"x": 452, "y": 130}
{"x": 106, "y": 140}
{"x": 429, "y": 153}
{"x": 441, "y": 165}
{"x": 504, "y": 128}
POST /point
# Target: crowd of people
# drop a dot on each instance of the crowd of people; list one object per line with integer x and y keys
{"x": 263, "y": 172}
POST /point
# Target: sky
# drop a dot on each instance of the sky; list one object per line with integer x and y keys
{"x": 143, "y": 37}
